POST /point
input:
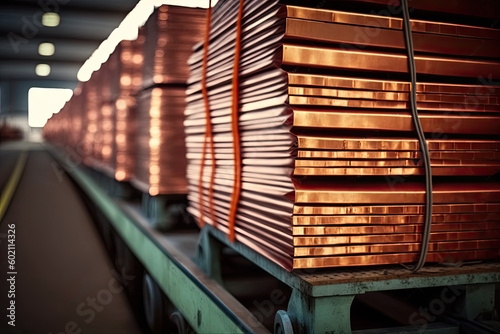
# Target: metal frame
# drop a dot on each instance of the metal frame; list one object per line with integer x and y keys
{"x": 321, "y": 300}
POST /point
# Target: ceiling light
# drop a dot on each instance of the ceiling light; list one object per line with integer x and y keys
{"x": 46, "y": 49}
{"x": 42, "y": 70}
{"x": 50, "y": 19}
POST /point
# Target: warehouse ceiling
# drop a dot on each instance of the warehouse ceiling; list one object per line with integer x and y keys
{"x": 84, "y": 24}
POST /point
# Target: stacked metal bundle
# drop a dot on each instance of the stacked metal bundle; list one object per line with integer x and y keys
{"x": 128, "y": 57}
{"x": 76, "y": 107}
{"x": 104, "y": 81}
{"x": 170, "y": 33}
{"x": 91, "y": 137}
{"x": 330, "y": 162}
{"x": 160, "y": 158}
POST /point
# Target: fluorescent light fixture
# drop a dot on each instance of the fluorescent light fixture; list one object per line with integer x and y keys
{"x": 43, "y": 102}
{"x": 51, "y": 19}
{"x": 42, "y": 70}
{"x": 46, "y": 49}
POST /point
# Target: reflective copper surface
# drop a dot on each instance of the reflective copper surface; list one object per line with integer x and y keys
{"x": 363, "y": 260}
{"x": 396, "y": 23}
{"x": 395, "y": 121}
{"x": 160, "y": 158}
{"x": 125, "y": 137}
{"x": 396, "y": 248}
{"x": 330, "y": 57}
{"x": 170, "y": 34}
{"x": 423, "y": 42}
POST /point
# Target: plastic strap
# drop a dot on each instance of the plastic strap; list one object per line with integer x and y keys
{"x": 235, "y": 196}
{"x": 421, "y": 138}
{"x": 208, "y": 129}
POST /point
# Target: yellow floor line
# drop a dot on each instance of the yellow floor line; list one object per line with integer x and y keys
{"x": 12, "y": 184}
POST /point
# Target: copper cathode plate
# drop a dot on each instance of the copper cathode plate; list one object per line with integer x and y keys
{"x": 357, "y": 83}
{"x": 330, "y": 240}
{"x": 339, "y": 119}
{"x": 324, "y": 57}
{"x": 398, "y": 144}
{"x": 392, "y": 155}
{"x": 395, "y": 248}
{"x": 451, "y": 209}
{"x": 396, "y": 23}
{"x": 338, "y": 230}
{"x": 436, "y": 170}
{"x": 366, "y": 260}
{"x": 386, "y": 38}
{"x": 438, "y": 99}
{"x": 393, "y": 219}
{"x": 401, "y": 193}
{"x": 317, "y": 163}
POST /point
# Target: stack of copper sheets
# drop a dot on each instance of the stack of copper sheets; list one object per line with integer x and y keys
{"x": 170, "y": 34}
{"x": 331, "y": 166}
{"x": 160, "y": 158}
{"x": 91, "y": 136}
{"x": 129, "y": 56}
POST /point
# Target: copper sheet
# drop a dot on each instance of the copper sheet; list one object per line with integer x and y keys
{"x": 397, "y": 96}
{"x": 401, "y": 193}
{"x": 396, "y": 248}
{"x": 389, "y": 163}
{"x": 366, "y": 260}
{"x": 393, "y": 219}
{"x": 394, "y": 238}
{"x": 396, "y": 209}
{"x": 396, "y": 23}
{"x": 485, "y": 156}
{"x": 436, "y": 170}
{"x": 395, "y": 121}
{"x": 423, "y": 42}
{"x": 303, "y": 79}
{"x": 398, "y": 144}
{"x": 424, "y": 106}
{"x": 323, "y": 57}
{"x": 391, "y": 229}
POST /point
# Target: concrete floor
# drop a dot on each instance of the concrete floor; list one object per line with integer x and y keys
{"x": 65, "y": 283}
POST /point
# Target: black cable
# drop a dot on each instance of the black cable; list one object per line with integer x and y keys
{"x": 421, "y": 139}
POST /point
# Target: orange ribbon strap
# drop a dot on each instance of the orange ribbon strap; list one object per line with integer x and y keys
{"x": 208, "y": 128}
{"x": 235, "y": 197}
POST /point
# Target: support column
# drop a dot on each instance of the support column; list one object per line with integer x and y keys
{"x": 330, "y": 314}
{"x": 209, "y": 255}
{"x": 479, "y": 301}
